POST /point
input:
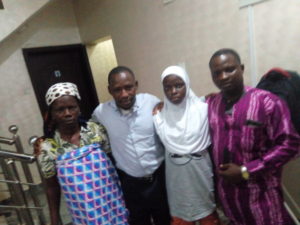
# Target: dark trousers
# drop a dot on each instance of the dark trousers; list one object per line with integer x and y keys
{"x": 146, "y": 199}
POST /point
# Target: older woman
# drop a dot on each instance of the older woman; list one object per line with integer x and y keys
{"x": 73, "y": 159}
{"x": 182, "y": 126}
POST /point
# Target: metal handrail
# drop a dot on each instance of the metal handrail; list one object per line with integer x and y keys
{"x": 293, "y": 216}
{"x": 11, "y": 177}
{"x": 17, "y": 192}
{"x": 10, "y": 141}
{"x": 7, "y": 141}
{"x": 20, "y": 207}
{"x": 17, "y": 182}
{"x": 17, "y": 156}
{"x": 294, "y": 205}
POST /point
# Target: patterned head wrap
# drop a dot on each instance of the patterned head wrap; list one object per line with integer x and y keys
{"x": 59, "y": 89}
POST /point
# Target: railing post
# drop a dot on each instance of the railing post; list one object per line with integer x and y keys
{"x": 19, "y": 196}
{"x": 9, "y": 185}
{"x": 32, "y": 189}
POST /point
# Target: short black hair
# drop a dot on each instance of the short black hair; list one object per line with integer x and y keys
{"x": 119, "y": 69}
{"x": 225, "y": 51}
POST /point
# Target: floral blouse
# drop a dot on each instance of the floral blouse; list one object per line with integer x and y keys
{"x": 51, "y": 148}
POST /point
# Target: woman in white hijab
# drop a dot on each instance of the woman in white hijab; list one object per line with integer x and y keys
{"x": 182, "y": 126}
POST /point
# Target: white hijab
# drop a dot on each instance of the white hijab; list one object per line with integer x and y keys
{"x": 183, "y": 128}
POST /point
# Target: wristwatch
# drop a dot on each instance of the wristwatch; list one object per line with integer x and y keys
{"x": 245, "y": 173}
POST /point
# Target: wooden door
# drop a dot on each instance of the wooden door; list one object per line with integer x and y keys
{"x": 69, "y": 63}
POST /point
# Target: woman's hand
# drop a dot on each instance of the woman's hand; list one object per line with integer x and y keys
{"x": 37, "y": 146}
{"x": 158, "y": 108}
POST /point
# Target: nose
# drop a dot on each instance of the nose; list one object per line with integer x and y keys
{"x": 124, "y": 93}
{"x": 173, "y": 90}
{"x": 67, "y": 112}
{"x": 223, "y": 75}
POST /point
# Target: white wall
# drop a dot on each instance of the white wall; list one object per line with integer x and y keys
{"x": 277, "y": 34}
{"x": 54, "y": 25}
{"x": 149, "y": 36}
{"x": 16, "y": 12}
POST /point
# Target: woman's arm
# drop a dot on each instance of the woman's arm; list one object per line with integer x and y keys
{"x": 44, "y": 150}
{"x": 53, "y": 196}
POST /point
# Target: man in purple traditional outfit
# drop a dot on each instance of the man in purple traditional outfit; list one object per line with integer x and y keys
{"x": 252, "y": 138}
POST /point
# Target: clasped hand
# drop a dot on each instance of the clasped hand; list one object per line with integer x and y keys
{"x": 231, "y": 172}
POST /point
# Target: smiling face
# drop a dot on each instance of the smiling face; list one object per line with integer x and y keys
{"x": 174, "y": 88}
{"x": 227, "y": 73}
{"x": 123, "y": 87}
{"x": 65, "y": 111}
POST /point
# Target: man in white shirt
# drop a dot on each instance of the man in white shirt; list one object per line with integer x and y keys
{"x": 135, "y": 147}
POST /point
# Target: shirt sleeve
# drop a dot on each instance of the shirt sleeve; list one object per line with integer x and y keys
{"x": 96, "y": 115}
{"x": 47, "y": 158}
{"x": 152, "y": 98}
{"x": 282, "y": 134}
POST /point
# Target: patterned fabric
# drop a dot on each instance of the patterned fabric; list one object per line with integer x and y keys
{"x": 258, "y": 134}
{"x": 52, "y": 148}
{"x": 59, "y": 89}
{"x": 91, "y": 187}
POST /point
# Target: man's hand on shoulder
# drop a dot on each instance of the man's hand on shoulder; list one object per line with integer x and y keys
{"x": 158, "y": 108}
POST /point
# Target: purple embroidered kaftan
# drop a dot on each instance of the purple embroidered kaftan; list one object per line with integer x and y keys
{"x": 259, "y": 135}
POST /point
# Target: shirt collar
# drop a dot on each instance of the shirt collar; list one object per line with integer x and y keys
{"x": 135, "y": 106}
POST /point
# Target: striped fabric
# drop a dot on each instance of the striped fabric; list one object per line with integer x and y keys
{"x": 91, "y": 187}
{"x": 259, "y": 135}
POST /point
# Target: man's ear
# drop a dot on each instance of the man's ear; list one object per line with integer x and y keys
{"x": 109, "y": 90}
{"x": 136, "y": 84}
{"x": 242, "y": 67}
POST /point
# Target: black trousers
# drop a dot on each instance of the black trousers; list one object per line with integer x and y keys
{"x": 146, "y": 199}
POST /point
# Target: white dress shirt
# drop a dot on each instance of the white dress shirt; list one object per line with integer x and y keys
{"x": 134, "y": 143}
